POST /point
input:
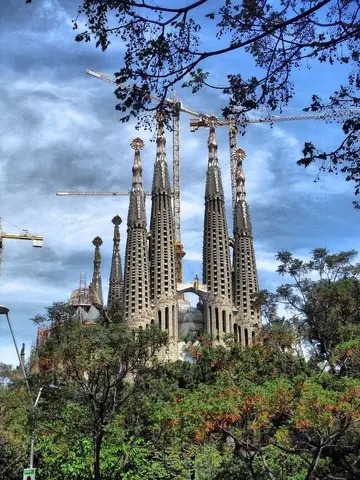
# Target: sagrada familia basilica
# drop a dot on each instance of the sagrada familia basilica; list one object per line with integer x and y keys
{"x": 148, "y": 289}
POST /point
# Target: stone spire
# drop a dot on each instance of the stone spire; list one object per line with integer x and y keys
{"x": 95, "y": 286}
{"x": 115, "y": 281}
{"x": 162, "y": 242}
{"x": 245, "y": 274}
{"x": 136, "y": 279}
{"x": 216, "y": 256}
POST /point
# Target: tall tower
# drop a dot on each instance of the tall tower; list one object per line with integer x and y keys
{"x": 95, "y": 286}
{"x": 115, "y": 281}
{"x": 218, "y": 307}
{"x": 136, "y": 279}
{"x": 245, "y": 274}
{"x": 162, "y": 243}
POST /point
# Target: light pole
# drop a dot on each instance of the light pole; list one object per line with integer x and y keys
{"x": 5, "y": 311}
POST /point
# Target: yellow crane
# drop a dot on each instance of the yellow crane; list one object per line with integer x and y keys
{"x": 84, "y": 193}
{"x": 23, "y": 235}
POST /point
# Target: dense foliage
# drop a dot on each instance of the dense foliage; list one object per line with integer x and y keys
{"x": 171, "y": 45}
{"x": 110, "y": 410}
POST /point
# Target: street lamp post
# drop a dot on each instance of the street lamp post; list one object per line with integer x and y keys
{"x": 5, "y": 311}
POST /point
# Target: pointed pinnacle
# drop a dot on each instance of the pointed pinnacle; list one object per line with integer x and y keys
{"x": 239, "y": 156}
{"x": 212, "y": 146}
{"x": 97, "y": 242}
{"x": 117, "y": 220}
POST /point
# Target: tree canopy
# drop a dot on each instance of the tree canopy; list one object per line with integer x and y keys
{"x": 166, "y": 46}
{"x": 285, "y": 408}
{"x": 324, "y": 298}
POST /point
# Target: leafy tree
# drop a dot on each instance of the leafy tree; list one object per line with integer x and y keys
{"x": 347, "y": 357}
{"x": 166, "y": 45}
{"x": 56, "y": 313}
{"x": 7, "y": 374}
{"x": 14, "y": 427}
{"x": 264, "y": 412}
{"x": 167, "y": 410}
{"x": 291, "y": 424}
{"x": 94, "y": 369}
{"x": 324, "y": 296}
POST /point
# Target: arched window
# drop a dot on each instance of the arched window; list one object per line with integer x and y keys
{"x": 173, "y": 321}
{"x": 224, "y": 321}
{"x": 217, "y": 319}
{"x": 166, "y": 318}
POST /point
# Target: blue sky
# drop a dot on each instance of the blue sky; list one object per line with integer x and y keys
{"x": 59, "y": 130}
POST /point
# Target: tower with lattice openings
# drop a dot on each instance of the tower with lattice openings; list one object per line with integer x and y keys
{"x": 136, "y": 299}
{"x": 151, "y": 293}
{"x": 218, "y": 305}
{"x": 162, "y": 243}
{"x": 247, "y": 319}
{"x": 96, "y": 284}
{"x": 115, "y": 280}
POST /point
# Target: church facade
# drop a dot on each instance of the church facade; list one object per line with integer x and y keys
{"x": 148, "y": 290}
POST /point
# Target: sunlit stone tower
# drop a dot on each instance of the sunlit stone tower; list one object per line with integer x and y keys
{"x": 218, "y": 306}
{"x": 150, "y": 291}
{"x": 244, "y": 266}
{"x": 95, "y": 286}
{"x": 115, "y": 281}
{"x": 162, "y": 244}
{"x": 136, "y": 279}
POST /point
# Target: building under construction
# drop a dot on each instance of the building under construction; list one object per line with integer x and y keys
{"x": 151, "y": 290}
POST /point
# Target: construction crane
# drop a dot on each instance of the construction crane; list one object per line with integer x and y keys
{"x": 204, "y": 120}
{"x": 23, "y": 235}
{"x": 207, "y": 120}
{"x": 65, "y": 193}
{"x": 177, "y": 107}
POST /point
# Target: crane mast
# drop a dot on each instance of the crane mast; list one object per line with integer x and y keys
{"x": 233, "y": 131}
{"x": 179, "y": 249}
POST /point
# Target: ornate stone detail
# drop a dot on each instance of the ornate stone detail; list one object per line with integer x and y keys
{"x": 216, "y": 254}
{"x": 116, "y": 220}
{"x": 162, "y": 242}
{"x": 97, "y": 242}
{"x": 245, "y": 274}
{"x": 136, "y": 299}
{"x": 96, "y": 286}
{"x": 115, "y": 280}
{"x": 137, "y": 144}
